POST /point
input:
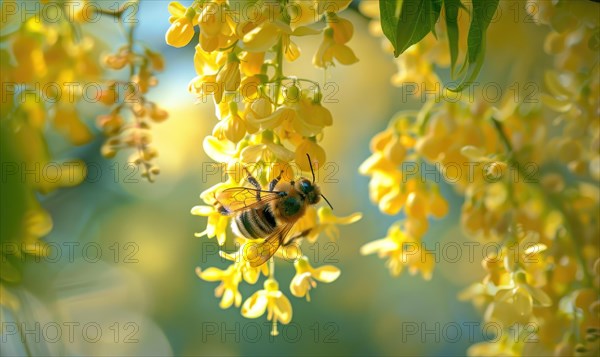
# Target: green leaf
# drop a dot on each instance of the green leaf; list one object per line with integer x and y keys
{"x": 483, "y": 12}
{"x": 406, "y": 22}
{"x": 390, "y": 15}
{"x": 451, "y": 8}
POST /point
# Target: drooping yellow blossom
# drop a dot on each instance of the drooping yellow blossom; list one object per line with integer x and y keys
{"x": 401, "y": 251}
{"x": 330, "y": 49}
{"x": 228, "y": 289}
{"x": 270, "y": 299}
{"x": 328, "y": 223}
{"x": 216, "y": 225}
{"x": 268, "y": 122}
{"x": 182, "y": 21}
{"x": 306, "y": 275}
{"x": 249, "y": 273}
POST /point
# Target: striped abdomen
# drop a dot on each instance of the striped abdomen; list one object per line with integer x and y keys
{"x": 255, "y": 223}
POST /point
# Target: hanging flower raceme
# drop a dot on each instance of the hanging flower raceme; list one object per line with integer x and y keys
{"x": 268, "y": 125}
{"x": 270, "y": 299}
{"x": 53, "y": 60}
{"x": 525, "y": 168}
{"x": 306, "y": 275}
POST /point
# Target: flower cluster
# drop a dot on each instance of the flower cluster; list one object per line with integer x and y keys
{"x": 127, "y": 125}
{"x": 267, "y": 124}
{"x": 40, "y": 62}
{"x": 529, "y": 176}
{"x": 49, "y": 66}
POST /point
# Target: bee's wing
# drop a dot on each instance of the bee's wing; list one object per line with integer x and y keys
{"x": 259, "y": 253}
{"x": 241, "y": 198}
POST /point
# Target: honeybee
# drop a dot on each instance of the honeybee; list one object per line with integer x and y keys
{"x": 269, "y": 214}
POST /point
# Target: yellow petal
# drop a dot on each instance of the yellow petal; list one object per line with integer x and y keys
{"x": 210, "y": 274}
{"x": 342, "y": 30}
{"x": 176, "y": 9}
{"x": 283, "y": 309}
{"x": 280, "y": 152}
{"x": 326, "y": 273}
{"x": 344, "y": 54}
{"x": 202, "y": 210}
{"x": 255, "y": 305}
{"x": 228, "y": 299}
{"x": 300, "y": 284}
{"x": 379, "y": 246}
{"x": 292, "y": 52}
{"x": 262, "y": 38}
{"x": 218, "y": 150}
{"x": 522, "y": 302}
{"x": 180, "y": 33}
{"x": 539, "y": 296}
{"x": 473, "y": 153}
{"x": 314, "y": 150}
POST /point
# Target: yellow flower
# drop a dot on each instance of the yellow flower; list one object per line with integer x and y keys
{"x": 216, "y": 226}
{"x": 262, "y": 38}
{"x": 183, "y": 20}
{"x": 249, "y": 273}
{"x": 208, "y": 63}
{"x": 342, "y": 29}
{"x": 401, "y": 250}
{"x": 231, "y": 126}
{"x": 228, "y": 79}
{"x": 228, "y": 289}
{"x": 216, "y": 27}
{"x": 220, "y": 150}
{"x": 310, "y": 116}
{"x": 302, "y": 13}
{"x": 210, "y": 20}
{"x": 270, "y": 299}
{"x": 203, "y": 86}
{"x": 330, "y": 49}
{"x": 305, "y": 273}
{"x": 316, "y": 152}
{"x": 260, "y": 113}
{"x": 251, "y": 62}
{"x": 265, "y": 151}
{"x": 515, "y": 302}
{"x": 328, "y": 223}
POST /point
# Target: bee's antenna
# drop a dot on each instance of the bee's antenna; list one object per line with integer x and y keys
{"x": 313, "y": 175}
{"x": 311, "y": 170}
{"x": 326, "y": 200}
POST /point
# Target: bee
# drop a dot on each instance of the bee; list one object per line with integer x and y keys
{"x": 270, "y": 213}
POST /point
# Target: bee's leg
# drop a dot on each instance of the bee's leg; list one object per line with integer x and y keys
{"x": 273, "y": 183}
{"x": 254, "y": 183}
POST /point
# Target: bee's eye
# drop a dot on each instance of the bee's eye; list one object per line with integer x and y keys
{"x": 305, "y": 186}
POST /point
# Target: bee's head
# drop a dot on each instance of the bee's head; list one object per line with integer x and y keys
{"x": 308, "y": 190}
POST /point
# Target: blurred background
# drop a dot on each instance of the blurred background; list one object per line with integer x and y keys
{"x": 121, "y": 280}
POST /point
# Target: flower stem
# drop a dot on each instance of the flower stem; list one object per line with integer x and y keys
{"x": 500, "y": 129}
{"x": 278, "y": 68}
